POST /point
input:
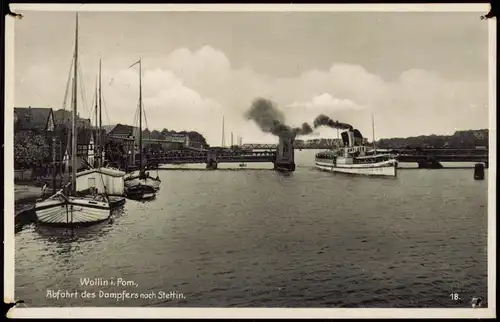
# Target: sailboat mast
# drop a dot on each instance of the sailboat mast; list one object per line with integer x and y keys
{"x": 75, "y": 111}
{"x": 98, "y": 138}
{"x": 231, "y": 139}
{"x": 96, "y": 141}
{"x": 140, "y": 113}
{"x": 373, "y": 132}
{"x": 223, "y": 138}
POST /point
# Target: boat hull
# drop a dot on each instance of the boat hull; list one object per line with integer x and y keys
{"x": 140, "y": 192}
{"x": 387, "y": 168}
{"x": 152, "y": 182}
{"x": 116, "y": 201}
{"x": 71, "y": 211}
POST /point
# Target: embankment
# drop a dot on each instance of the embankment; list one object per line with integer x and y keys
{"x": 25, "y": 197}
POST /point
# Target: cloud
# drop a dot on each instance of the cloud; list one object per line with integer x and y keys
{"x": 192, "y": 89}
{"x": 326, "y": 103}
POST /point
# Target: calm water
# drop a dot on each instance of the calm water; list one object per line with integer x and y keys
{"x": 257, "y": 238}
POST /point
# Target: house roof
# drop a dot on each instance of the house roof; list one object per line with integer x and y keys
{"x": 122, "y": 129}
{"x": 32, "y": 117}
{"x": 103, "y": 171}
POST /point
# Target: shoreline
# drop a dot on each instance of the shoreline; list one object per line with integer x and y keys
{"x": 25, "y": 196}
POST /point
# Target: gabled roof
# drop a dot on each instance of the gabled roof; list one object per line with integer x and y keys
{"x": 32, "y": 117}
{"x": 122, "y": 129}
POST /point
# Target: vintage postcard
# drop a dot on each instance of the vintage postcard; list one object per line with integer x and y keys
{"x": 250, "y": 161}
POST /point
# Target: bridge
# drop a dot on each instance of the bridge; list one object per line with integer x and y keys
{"x": 259, "y": 146}
{"x": 183, "y": 157}
{"x": 283, "y": 158}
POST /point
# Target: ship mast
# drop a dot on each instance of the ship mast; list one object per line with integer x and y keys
{"x": 223, "y": 138}
{"x": 75, "y": 111}
{"x": 96, "y": 142}
{"x": 98, "y": 138}
{"x": 140, "y": 114}
{"x": 373, "y": 133}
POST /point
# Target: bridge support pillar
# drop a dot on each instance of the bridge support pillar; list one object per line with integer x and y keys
{"x": 212, "y": 160}
{"x": 285, "y": 156}
{"x": 212, "y": 166}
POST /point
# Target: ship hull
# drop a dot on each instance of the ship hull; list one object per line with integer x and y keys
{"x": 71, "y": 211}
{"x": 136, "y": 181}
{"x": 387, "y": 168}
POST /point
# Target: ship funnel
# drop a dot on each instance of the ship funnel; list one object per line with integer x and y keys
{"x": 351, "y": 137}
{"x": 348, "y": 138}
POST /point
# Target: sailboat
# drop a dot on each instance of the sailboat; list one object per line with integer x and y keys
{"x": 65, "y": 207}
{"x": 141, "y": 185}
{"x": 101, "y": 178}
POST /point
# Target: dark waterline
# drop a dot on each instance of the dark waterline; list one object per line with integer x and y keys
{"x": 264, "y": 239}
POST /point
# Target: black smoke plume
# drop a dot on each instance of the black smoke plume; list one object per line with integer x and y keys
{"x": 304, "y": 130}
{"x": 272, "y": 120}
{"x": 323, "y": 120}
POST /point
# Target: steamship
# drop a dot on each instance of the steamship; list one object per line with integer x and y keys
{"x": 355, "y": 158}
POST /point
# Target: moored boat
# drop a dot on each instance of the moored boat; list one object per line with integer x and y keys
{"x": 142, "y": 179}
{"x": 62, "y": 210}
{"x": 141, "y": 192}
{"x": 141, "y": 184}
{"x": 65, "y": 207}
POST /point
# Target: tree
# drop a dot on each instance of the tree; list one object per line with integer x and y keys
{"x": 156, "y": 135}
{"x": 164, "y": 132}
{"x": 146, "y": 134}
{"x": 30, "y": 149}
{"x": 459, "y": 140}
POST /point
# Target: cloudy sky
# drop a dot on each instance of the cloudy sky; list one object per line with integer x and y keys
{"x": 418, "y": 73}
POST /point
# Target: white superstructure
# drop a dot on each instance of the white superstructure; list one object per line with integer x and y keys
{"x": 356, "y": 159}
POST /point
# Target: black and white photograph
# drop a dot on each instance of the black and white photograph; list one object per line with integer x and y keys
{"x": 280, "y": 160}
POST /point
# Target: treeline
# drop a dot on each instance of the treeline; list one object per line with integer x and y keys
{"x": 459, "y": 140}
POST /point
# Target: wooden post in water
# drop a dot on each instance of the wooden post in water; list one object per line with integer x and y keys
{"x": 479, "y": 171}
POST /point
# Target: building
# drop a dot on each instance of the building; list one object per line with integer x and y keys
{"x": 38, "y": 119}
{"x": 121, "y": 141}
{"x": 171, "y": 141}
{"x": 64, "y": 117}
{"x": 177, "y": 138}
{"x": 85, "y": 146}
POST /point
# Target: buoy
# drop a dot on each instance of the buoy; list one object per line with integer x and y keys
{"x": 479, "y": 171}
